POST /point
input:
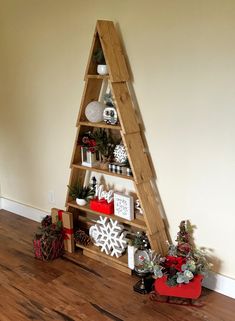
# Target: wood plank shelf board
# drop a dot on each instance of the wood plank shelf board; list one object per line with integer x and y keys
{"x": 104, "y": 171}
{"x": 107, "y": 261}
{"x": 122, "y": 260}
{"x": 99, "y": 125}
{"x": 138, "y": 223}
{"x": 94, "y": 252}
{"x": 97, "y": 76}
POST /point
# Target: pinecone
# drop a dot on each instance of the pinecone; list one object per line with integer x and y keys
{"x": 81, "y": 237}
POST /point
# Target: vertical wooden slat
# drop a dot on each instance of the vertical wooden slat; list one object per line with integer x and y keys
{"x": 92, "y": 65}
{"x": 76, "y": 153}
{"x": 91, "y": 92}
{"x": 125, "y": 109}
{"x": 137, "y": 157}
{"x": 113, "y": 51}
{"x": 154, "y": 221}
{"x": 75, "y": 177}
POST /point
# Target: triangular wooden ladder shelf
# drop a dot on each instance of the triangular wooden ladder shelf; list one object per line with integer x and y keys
{"x": 107, "y": 38}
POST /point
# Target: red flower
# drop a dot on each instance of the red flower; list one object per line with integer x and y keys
{"x": 174, "y": 262}
{"x": 91, "y": 149}
{"x": 92, "y": 143}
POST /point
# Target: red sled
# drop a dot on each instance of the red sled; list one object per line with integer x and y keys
{"x": 102, "y": 206}
{"x": 191, "y": 290}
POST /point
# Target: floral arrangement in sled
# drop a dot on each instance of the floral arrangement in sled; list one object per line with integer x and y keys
{"x": 183, "y": 268}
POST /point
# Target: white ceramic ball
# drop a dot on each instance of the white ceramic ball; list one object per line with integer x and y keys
{"x": 94, "y": 112}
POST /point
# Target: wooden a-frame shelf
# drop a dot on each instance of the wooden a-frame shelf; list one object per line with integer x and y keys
{"x": 128, "y": 129}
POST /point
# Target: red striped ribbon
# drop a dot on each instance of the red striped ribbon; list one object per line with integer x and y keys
{"x": 67, "y": 231}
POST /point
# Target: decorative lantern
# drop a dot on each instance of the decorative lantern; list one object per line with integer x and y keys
{"x": 141, "y": 262}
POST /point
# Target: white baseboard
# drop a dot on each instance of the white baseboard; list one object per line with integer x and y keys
{"x": 22, "y": 209}
{"x": 220, "y": 283}
{"x": 214, "y": 281}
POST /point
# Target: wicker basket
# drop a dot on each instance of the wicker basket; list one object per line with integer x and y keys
{"x": 47, "y": 249}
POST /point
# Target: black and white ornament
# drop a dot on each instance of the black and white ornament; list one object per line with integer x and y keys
{"x": 120, "y": 154}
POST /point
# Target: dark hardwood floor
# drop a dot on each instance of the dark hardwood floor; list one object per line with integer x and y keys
{"x": 62, "y": 290}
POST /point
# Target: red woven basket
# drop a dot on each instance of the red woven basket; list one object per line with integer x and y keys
{"x": 48, "y": 249}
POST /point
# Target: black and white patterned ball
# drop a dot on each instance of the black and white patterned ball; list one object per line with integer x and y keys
{"x": 120, "y": 154}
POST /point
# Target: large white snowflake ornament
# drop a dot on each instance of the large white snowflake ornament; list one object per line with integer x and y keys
{"x": 109, "y": 235}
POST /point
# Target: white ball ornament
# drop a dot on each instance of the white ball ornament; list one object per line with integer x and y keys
{"x": 94, "y": 112}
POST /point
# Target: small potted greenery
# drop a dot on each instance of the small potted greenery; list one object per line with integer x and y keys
{"x": 102, "y": 68}
{"x": 81, "y": 193}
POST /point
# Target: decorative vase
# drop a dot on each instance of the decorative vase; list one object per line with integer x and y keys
{"x": 81, "y": 201}
{"x": 102, "y": 70}
{"x": 191, "y": 290}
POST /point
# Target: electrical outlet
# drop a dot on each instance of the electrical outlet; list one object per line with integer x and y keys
{"x": 51, "y": 197}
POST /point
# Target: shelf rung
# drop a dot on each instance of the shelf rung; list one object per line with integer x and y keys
{"x": 138, "y": 223}
{"x": 104, "y": 171}
{"x": 97, "y": 76}
{"x": 99, "y": 125}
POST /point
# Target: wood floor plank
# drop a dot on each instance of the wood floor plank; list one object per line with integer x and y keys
{"x": 83, "y": 290}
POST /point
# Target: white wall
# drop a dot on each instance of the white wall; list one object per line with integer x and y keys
{"x": 181, "y": 55}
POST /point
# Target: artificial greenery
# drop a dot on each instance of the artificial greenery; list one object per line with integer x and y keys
{"x": 46, "y": 225}
{"x": 79, "y": 191}
{"x": 139, "y": 240}
{"x": 49, "y": 231}
{"x": 104, "y": 143}
{"x": 99, "y": 56}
